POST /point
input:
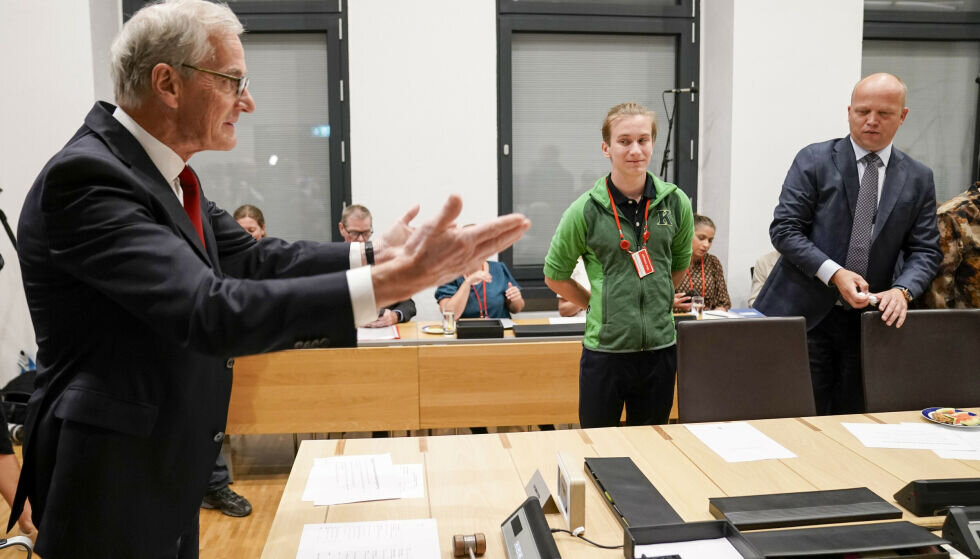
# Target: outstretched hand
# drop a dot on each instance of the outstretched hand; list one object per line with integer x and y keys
{"x": 438, "y": 251}
{"x": 396, "y": 235}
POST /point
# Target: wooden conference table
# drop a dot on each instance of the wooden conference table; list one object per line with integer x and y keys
{"x": 421, "y": 381}
{"x": 473, "y": 482}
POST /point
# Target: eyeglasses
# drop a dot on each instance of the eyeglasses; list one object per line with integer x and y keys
{"x": 359, "y": 234}
{"x": 241, "y": 80}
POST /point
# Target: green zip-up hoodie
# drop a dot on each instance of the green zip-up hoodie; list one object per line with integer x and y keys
{"x": 626, "y": 313}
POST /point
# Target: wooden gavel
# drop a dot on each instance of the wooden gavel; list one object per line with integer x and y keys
{"x": 473, "y": 543}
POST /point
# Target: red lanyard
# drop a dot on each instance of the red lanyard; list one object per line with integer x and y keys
{"x": 484, "y": 312}
{"x": 623, "y": 243}
{"x": 702, "y": 277}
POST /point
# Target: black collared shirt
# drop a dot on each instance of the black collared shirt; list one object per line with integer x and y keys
{"x": 633, "y": 211}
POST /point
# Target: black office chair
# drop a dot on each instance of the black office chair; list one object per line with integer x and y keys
{"x": 744, "y": 368}
{"x": 932, "y": 360}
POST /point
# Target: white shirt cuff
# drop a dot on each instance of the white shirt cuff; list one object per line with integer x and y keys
{"x": 355, "y": 257}
{"x": 827, "y": 270}
{"x": 362, "y": 295}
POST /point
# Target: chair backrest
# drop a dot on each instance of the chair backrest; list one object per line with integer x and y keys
{"x": 932, "y": 360}
{"x": 745, "y": 368}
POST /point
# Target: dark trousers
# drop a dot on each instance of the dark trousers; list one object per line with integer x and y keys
{"x": 219, "y": 475}
{"x": 834, "y": 345}
{"x": 188, "y": 546}
{"x": 643, "y": 381}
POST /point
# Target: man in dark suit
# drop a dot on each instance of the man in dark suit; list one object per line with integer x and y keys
{"x": 357, "y": 224}
{"x": 849, "y": 208}
{"x": 141, "y": 291}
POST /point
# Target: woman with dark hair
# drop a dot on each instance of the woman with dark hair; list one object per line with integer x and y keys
{"x": 705, "y": 276}
{"x": 251, "y": 219}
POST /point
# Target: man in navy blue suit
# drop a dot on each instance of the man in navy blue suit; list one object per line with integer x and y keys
{"x": 848, "y": 210}
{"x": 141, "y": 291}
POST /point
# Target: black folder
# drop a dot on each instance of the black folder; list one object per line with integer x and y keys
{"x": 800, "y": 509}
{"x": 530, "y": 330}
{"x": 631, "y": 496}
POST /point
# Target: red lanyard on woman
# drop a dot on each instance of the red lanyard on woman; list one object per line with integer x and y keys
{"x": 623, "y": 243}
{"x": 702, "y": 277}
{"x": 484, "y": 309}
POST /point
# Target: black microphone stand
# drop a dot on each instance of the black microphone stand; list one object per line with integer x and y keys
{"x": 670, "y": 129}
{"x": 6, "y": 226}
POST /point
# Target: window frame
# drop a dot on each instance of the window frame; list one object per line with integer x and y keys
{"x": 900, "y": 25}
{"x": 309, "y": 16}
{"x": 680, "y": 21}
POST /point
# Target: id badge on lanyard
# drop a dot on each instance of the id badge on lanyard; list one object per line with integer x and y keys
{"x": 642, "y": 262}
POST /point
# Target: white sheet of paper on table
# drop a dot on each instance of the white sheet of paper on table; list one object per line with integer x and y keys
{"x": 566, "y": 320}
{"x": 355, "y": 478}
{"x": 718, "y": 548}
{"x": 386, "y": 333}
{"x": 390, "y": 539}
{"x": 909, "y": 436}
{"x": 739, "y": 442}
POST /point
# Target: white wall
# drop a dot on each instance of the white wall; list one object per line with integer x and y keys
{"x": 49, "y": 84}
{"x": 791, "y": 67}
{"x": 423, "y": 109}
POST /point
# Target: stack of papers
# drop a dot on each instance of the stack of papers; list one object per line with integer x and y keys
{"x": 566, "y": 320}
{"x": 386, "y": 333}
{"x": 719, "y": 548}
{"x": 946, "y": 442}
{"x": 739, "y": 442}
{"x": 369, "y": 477}
{"x": 369, "y": 540}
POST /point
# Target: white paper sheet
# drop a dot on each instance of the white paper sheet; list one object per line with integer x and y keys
{"x": 719, "y": 548}
{"x": 721, "y": 314}
{"x": 915, "y": 436}
{"x": 507, "y": 323}
{"x": 391, "y": 539}
{"x": 566, "y": 320}
{"x": 386, "y": 333}
{"x": 739, "y": 442}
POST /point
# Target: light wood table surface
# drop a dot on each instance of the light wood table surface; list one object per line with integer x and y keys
{"x": 473, "y": 482}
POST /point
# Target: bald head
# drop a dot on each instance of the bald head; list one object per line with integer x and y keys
{"x": 876, "y": 111}
{"x": 882, "y": 82}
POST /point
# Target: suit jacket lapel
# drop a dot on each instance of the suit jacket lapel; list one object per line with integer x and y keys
{"x": 132, "y": 154}
{"x": 895, "y": 176}
{"x": 847, "y": 166}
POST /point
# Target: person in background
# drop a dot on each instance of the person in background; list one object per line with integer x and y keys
{"x": 957, "y": 286}
{"x": 633, "y": 231}
{"x": 763, "y": 266}
{"x": 9, "y": 472}
{"x": 705, "y": 276}
{"x": 251, "y": 220}
{"x": 490, "y": 292}
{"x": 357, "y": 225}
{"x": 848, "y": 210}
{"x": 566, "y": 307}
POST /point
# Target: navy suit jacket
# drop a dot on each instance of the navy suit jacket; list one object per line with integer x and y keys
{"x": 136, "y": 324}
{"x": 813, "y": 223}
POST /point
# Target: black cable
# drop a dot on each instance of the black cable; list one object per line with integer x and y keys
{"x": 556, "y": 530}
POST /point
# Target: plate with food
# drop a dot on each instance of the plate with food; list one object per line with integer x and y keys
{"x": 952, "y": 417}
{"x": 432, "y": 329}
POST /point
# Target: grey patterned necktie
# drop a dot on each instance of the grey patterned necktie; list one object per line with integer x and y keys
{"x": 864, "y": 217}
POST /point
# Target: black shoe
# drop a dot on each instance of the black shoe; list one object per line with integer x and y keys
{"x": 228, "y": 502}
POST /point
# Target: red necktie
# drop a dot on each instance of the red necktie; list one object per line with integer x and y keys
{"x": 192, "y": 199}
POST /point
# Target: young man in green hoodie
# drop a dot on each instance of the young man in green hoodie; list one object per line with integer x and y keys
{"x": 633, "y": 231}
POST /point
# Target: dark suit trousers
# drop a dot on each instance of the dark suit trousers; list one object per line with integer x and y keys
{"x": 643, "y": 381}
{"x": 220, "y": 476}
{"x": 835, "y": 362}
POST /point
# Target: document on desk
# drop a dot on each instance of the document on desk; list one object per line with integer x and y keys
{"x": 390, "y": 539}
{"x": 913, "y": 436}
{"x": 352, "y": 479}
{"x": 371, "y": 334}
{"x": 739, "y": 442}
{"x": 566, "y": 320}
{"x": 719, "y": 548}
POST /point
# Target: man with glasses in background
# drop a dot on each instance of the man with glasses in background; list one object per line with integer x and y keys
{"x": 142, "y": 291}
{"x": 356, "y": 225}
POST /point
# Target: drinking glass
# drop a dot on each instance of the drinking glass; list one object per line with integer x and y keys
{"x": 448, "y": 323}
{"x": 697, "y": 306}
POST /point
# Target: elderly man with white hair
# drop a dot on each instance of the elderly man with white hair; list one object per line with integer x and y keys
{"x": 141, "y": 291}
